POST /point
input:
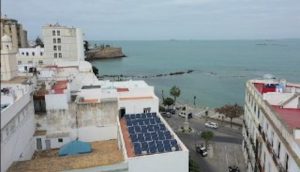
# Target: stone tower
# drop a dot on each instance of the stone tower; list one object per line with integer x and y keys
{"x": 8, "y": 59}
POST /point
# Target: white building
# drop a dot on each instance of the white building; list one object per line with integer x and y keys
{"x": 272, "y": 126}
{"x": 71, "y": 103}
{"x": 17, "y": 115}
{"x": 63, "y": 42}
{"x": 32, "y": 57}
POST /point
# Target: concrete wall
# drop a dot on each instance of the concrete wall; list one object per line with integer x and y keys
{"x": 138, "y": 105}
{"x": 95, "y": 133}
{"x": 56, "y": 101}
{"x": 173, "y": 161}
{"x": 16, "y": 137}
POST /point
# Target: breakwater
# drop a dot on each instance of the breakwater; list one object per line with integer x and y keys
{"x": 122, "y": 77}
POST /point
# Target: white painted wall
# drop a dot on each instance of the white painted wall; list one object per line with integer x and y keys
{"x": 95, "y": 133}
{"x": 56, "y": 101}
{"x": 18, "y": 145}
{"x": 173, "y": 161}
{"x": 138, "y": 105}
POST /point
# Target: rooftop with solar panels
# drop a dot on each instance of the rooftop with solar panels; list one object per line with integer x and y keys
{"x": 147, "y": 133}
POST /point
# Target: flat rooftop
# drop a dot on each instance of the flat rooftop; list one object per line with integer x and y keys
{"x": 290, "y": 116}
{"x": 103, "y": 153}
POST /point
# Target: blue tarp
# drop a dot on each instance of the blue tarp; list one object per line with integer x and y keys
{"x": 75, "y": 147}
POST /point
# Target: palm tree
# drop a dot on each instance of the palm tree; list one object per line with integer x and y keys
{"x": 207, "y": 136}
{"x": 168, "y": 101}
{"x": 175, "y": 92}
{"x": 231, "y": 111}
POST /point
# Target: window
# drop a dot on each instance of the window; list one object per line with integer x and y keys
{"x": 54, "y": 40}
{"x": 58, "y": 33}
{"x": 54, "y": 48}
{"x": 286, "y": 162}
{"x": 58, "y": 40}
{"x": 41, "y": 53}
{"x": 53, "y": 32}
{"x": 60, "y": 55}
{"x": 27, "y": 54}
{"x": 29, "y": 61}
{"x": 40, "y": 62}
{"x": 19, "y": 62}
{"x": 258, "y": 113}
{"x": 23, "y": 53}
{"x": 33, "y": 53}
{"x": 59, "y": 48}
{"x": 60, "y": 140}
{"x": 55, "y": 55}
{"x": 278, "y": 150}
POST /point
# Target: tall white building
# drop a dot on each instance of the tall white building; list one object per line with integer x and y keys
{"x": 272, "y": 126}
{"x": 63, "y": 42}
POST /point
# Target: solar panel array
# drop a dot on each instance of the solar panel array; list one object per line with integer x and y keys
{"x": 149, "y": 135}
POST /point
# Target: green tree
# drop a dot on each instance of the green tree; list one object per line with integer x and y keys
{"x": 231, "y": 111}
{"x": 175, "y": 92}
{"x": 168, "y": 101}
{"x": 39, "y": 42}
{"x": 207, "y": 136}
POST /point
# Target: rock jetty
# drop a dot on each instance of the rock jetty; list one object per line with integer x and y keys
{"x": 104, "y": 53}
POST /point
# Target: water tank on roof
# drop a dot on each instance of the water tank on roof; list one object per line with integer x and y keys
{"x": 269, "y": 76}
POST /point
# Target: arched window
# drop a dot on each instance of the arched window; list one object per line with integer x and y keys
{"x": 33, "y": 53}
{"x": 27, "y": 54}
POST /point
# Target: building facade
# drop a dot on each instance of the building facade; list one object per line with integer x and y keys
{"x": 32, "y": 57}
{"x": 272, "y": 126}
{"x": 63, "y": 43}
{"x": 8, "y": 59}
{"x": 15, "y": 30}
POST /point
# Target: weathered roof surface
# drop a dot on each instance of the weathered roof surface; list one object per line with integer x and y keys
{"x": 103, "y": 153}
{"x": 290, "y": 116}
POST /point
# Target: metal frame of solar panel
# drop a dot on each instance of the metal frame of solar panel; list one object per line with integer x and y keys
{"x": 149, "y": 135}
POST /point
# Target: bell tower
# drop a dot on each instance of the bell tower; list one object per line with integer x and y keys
{"x": 8, "y": 59}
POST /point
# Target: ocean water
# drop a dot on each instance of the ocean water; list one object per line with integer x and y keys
{"x": 221, "y": 67}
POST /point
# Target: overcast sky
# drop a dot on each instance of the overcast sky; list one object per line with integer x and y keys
{"x": 161, "y": 19}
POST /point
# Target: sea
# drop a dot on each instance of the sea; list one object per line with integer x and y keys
{"x": 221, "y": 67}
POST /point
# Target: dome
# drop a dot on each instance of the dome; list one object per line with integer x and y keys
{"x": 5, "y": 38}
{"x": 85, "y": 66}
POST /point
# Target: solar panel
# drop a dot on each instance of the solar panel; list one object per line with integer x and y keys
{"x": 132, "y": 116}
{"x": 134, "y": 122}
{"x": 141, "y": 137}
{"x": 131, "y": 130}
{"x": 149, "y": 115}
{"x": 137, "y": 148}
{"x": 154, "y": 136}
{"x": 137, "y": 129}
{"x": 149, "y": 135}
{"x": 162, "y": 127}
{"x": 143, "y": 115}
{"x": 152, "y": 121}
{"x": 134, "y": 138}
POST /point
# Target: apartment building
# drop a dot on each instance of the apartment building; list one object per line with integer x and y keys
{"x": 15, "y": 31}
{"x": 272, "y": 126}
{"x": 63, "y": 43}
